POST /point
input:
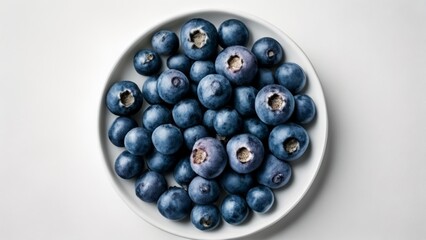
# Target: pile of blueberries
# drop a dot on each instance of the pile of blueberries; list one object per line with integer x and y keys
{"x": 223, "y": 119}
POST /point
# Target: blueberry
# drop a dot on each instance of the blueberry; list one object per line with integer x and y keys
{"x": 245, "y": 153}
{"x": 192, "y": 134}
{"x": 198, "y": 38}
{"x": 264, "y": 77}
{"x": 156, "y": 115}
{"x": 147, "y": 62}
{"x": 268, "y": 51}
{"x": 260, "y": 199}
{"x": 124, "y": 98}
{"x": 236, "y": 183}
{"x": 159, "y": 162}
{"x": 172, "y": 86}
{"x": 214, "y": 91}
{"x": 234, "y": 209}
{"x": 149, "y": 186}
{"x": 256, "y": 127}
{"x": 288, "y": 141}
{"x": 203, "y": 191}
{"x": 244, "y": 97}
{"x": 237, "y": 64}
{"x": 119, "y": 128}
{"x": 208, "y": 157}
{"x": 208, "y": 119}
{"x": 291, "y": 76}
{"x": 274, "y": 104}
{"x": 200, "y": 69}
{"x": 273, "y": 173}
{"x": 150, "y": 92}
{"x": 205, "y": 217}
{"x": 187, "y": 113}
{"x": 127, "y": 165}
{"x": 179, "y": 62}
{"x": 174, "y": 204}
{"x": 227, "y": 122}
{"x": 233, "y": 32}
{"x": 165, "y": 42}
{"x": 183, "y": 173}
{"x": 138, "y": 141}
{"x": 167, "y": 139}
{"x": 304, "y": 109}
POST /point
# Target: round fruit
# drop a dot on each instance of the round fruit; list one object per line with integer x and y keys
{"x": 167, "y": 139}
{"x": 291, "y": 76}
{"x": 214, "y": 91}
{"x": 128, "y": 166}
{"x": 203, "y": 191}
{"x": 172, "y": 86}
{"x": 237, "y": 64}
{"x": 233, "y": 32}
{"x": 260, "y": 199}
{"x": 124, "y": 98}
{"x": 165, "y": 42}
{"x": 274, "y": 173}
{"x": 205, "y": 217}
{"x": 234, "y": 209}
{"x": 274, "y": 104}
{"x": 304, "y": 109}
{"x": 245, "y": 153}
{"x": 208, "y": 157}
{"x": 198, "y": 38}
{"x": 149, "y": 186}
{"x": 268, "y": 51}
{"x": 174, "y": 204}
{"x": 138, "y": 141}
{"x": 288, "y": 141}
{"x": 147, "y": 62}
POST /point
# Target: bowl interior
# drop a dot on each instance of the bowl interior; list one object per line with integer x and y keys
{"x": 305, "y": 169}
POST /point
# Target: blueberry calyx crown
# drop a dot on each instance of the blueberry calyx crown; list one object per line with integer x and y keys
{"x": 244, "y": 155}
{"x": 276, "y": 102}
{"x": 126, "y": 98}
{"x": 176, "y": 81}
{"x": 198, "y": 37}
{"x": 204, "y": 188}
{"x": 149, "y": 58}
{"x": 291, "y": 145}
{"x": 199, "y": 155}
{"x": 235, "y": 63}
{"x": 206, "y": 221}
{"x": 277, "y": 178}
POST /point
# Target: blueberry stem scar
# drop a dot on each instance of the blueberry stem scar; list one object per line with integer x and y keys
{"x": 277, "y": 178}
{"x": 276, "y": 102}
{"x": 176, "y": 81}
{"x": 244, "y": 155}
{"x": 149, "y": 57}
{"x": 206, "y": 222}
{"x": 235, "y": 63}
{"x": 198, "y": 37}
{"x": 199, "y": 155}
{"x": 291, "y": 145}
{"x": 127, "y": 98}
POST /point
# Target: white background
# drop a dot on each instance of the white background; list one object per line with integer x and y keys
{"x": 55, "y": 57}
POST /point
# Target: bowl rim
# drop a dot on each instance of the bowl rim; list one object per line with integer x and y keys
{"x": 187, "y": 14}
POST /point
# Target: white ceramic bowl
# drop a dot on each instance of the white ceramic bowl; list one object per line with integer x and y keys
{"x": 304, "y": 171}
